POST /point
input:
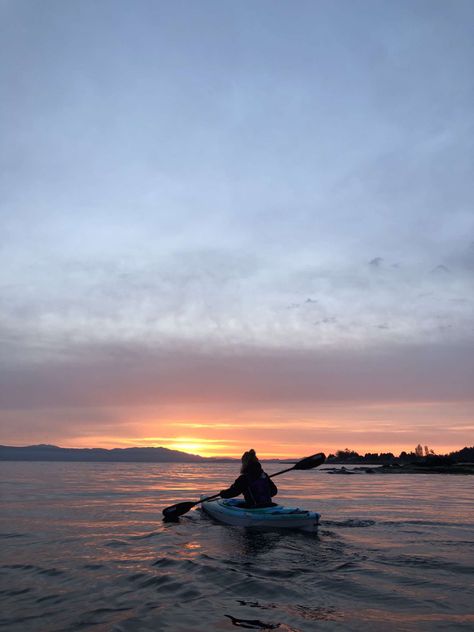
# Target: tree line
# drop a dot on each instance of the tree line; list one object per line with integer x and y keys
{"x": 421, "y": 454}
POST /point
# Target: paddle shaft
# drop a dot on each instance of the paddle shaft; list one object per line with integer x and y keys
{"x": 282, "y": 472}
{"x": 203, "y": 500}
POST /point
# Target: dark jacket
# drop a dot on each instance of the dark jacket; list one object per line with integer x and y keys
{"x": 255, "y": 485}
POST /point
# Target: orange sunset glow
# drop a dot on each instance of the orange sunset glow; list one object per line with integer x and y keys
{"x": 282, "y": 433}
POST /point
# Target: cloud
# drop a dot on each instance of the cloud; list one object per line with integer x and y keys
{"x": 376, "y": 263}
{"x": 128, "y": 375}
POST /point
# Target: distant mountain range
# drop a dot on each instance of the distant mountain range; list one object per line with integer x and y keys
{"x": 46, "y": 452}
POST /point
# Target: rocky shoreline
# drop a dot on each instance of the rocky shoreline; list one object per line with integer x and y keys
{"x": 458, "y": 468}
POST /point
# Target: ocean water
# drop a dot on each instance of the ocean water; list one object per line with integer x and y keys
{"x": 83, "y": 547}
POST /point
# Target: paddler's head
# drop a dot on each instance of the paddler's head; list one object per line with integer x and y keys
{"x": 249, "y": 460}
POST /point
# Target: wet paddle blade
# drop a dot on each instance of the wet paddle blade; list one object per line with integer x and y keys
{"x": 310, "y": 461}
{"x": 170, "y": 514}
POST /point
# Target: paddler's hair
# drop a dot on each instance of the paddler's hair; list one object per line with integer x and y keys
{"x": 248, "y": 459}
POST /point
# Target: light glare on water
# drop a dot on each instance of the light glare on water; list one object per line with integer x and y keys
{"x": 83, "y": 546}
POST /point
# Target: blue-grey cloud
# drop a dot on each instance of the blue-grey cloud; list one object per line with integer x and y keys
{"x": 130, "y": 376}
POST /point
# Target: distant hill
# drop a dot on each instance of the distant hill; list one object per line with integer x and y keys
{"x": 45, "y": 452}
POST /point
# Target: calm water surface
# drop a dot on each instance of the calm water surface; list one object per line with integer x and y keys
{"x": 83, "y": 547}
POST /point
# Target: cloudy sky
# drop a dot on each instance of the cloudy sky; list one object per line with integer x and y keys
{"x": 237, "y": 224}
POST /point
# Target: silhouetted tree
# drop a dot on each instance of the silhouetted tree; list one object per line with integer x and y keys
{"x": 346, "y": 455}
{"x": 466, "y": 455}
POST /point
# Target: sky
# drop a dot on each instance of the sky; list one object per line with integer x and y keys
{"x": 227, "y": 225}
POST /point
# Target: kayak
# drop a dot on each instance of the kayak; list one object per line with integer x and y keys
{"x": 231, "y": 511}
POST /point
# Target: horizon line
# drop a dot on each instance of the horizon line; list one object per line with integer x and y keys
{"x": 213, "y": 458}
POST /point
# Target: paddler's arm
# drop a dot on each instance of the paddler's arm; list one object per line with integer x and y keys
{"x": 238, "y": 487}
{"x": 273, "y": 488}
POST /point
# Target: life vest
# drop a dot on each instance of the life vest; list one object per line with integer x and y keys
{"x": 258, "y": 493}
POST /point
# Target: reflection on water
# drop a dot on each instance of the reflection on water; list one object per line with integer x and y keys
{"x": 83, "y": 546}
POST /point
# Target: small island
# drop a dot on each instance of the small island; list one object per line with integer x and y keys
{"x": 420, "y": 461}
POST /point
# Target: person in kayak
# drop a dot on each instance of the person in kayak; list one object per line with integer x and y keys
{"x": 256, "y": 486}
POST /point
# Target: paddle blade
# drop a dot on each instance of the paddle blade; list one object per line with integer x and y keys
{"x": 171, "y": 514}
{"x": 310, "y": 461}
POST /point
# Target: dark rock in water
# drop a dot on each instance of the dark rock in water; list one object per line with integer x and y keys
{"x": 252, "y": 624}
{"x": 460, "y": 468}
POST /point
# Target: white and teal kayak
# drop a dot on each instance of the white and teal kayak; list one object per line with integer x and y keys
{"x": 230, "y": 511}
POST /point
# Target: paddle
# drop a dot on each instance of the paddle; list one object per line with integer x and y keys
{"x": 171, "y": 514}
